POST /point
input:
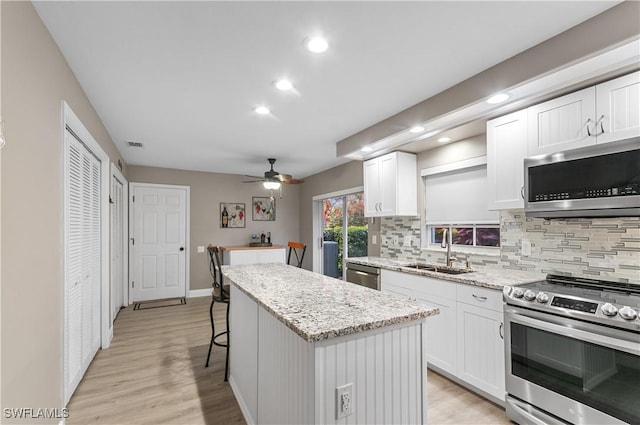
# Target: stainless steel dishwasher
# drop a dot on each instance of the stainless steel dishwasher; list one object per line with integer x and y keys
{"x": 364, "y": 275}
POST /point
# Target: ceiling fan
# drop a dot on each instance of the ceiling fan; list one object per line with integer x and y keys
{"x": 273, "y": 179}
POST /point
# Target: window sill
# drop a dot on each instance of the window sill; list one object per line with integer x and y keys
{"x": 461, "y": 249}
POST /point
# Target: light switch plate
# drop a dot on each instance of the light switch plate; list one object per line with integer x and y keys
{"x": 374, "y": 239}
{"x": 407, "y": 241}
{"x": 200, "y": 249}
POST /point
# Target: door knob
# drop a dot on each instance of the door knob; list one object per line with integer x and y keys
{"x": 181, "y": 248}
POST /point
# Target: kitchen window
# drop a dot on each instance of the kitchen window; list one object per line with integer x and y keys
{"x": 478, "y": 235}
{"x": 456, "y": 199}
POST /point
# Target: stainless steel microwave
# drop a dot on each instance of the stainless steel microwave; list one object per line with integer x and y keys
{"x": 593, "y": 181}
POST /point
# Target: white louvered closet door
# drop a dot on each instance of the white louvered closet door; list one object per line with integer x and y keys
{"x": 82, "y": 262}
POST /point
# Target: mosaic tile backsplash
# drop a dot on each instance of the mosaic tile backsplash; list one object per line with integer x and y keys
{"x": 599, "y": 248}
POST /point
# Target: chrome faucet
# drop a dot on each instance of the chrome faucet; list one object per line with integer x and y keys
{"x": 446, "y": 243}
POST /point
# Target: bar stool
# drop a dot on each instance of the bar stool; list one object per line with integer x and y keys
{"x": 219, "y": 294}
{"x": 298, "y": 249}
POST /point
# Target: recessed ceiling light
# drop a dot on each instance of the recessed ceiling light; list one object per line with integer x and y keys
{"x": 498, "y": 98}
{"x": 367, "y": 149}
{"x": 284, "y": 84}
{"x": 261, "y": 110}
{"x": 444, "y": 139}
{"x": 316, "y": 44}
{"x": 416, "y": 129}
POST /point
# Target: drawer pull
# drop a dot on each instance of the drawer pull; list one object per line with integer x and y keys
{"x": 500, "y": 330}
{"x": 479, "y": 298}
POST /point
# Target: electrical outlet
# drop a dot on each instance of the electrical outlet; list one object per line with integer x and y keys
{"x": 344, "y": 401}
{"x": 526, "y": 247}
{"x": 407, "y": 241}
{"x": 200, "y": 249}
{"x": 374, "y": 239}
{"x": 395, "y": 240}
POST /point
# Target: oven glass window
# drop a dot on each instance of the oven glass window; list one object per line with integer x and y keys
{"x": 603, "y": 378}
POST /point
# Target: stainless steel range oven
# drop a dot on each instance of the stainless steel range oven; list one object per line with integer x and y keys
{"x": 573, "y": 352}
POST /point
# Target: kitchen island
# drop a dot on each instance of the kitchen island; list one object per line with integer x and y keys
{"x": 298, "y": 339}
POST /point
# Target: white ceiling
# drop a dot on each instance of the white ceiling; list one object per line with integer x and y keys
{"x": 183, "y": 77}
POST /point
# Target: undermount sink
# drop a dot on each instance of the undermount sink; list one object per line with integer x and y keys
{"x": 437, "y": 269}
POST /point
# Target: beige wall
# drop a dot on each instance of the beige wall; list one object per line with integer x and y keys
{"x": 207, "y": 191}
{"x": 335, "y": 179}
{"x": 35, "y": 81}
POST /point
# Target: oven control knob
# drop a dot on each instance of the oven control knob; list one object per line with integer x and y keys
{"x": 609, "y": 309}
{"x": 529, "y": 295}
{"x": 627, "y": 313}
{"x": 518, "y": 292}
{"x": 542, "y": 298}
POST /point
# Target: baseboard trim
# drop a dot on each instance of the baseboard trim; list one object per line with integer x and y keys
{"x": 195, "y": 293}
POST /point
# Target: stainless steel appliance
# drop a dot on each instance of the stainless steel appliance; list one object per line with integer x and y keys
{"x": 599, "y": 180}
{"x": 572, "y": 352}
{"x": 363, "y": 275}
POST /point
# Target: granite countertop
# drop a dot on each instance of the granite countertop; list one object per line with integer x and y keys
{"x": 318, "y": 307}
{"x": 485, "y": 277}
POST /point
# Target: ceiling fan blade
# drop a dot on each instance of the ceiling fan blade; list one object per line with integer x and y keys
{"x": 283, "y": 177}
{"x": 254, "y": 177}
{"x": 253, "y": 181}
{"x": 292, "y": 181}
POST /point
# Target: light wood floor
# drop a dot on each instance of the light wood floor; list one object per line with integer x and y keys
{"x": 154, "y": 373}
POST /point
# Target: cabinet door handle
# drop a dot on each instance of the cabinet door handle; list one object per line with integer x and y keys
{"x": 587, "y": 124}
{"x": 500, "y": 330}
{"x": 479, "y": 298}
{"x": 522, "y": 191}
{"x": 601, "y": 124}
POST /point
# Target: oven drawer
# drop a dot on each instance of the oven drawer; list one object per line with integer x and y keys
{"x": 481, "y": 297}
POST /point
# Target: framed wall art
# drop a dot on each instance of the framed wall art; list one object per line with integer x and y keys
{"x": 264, "y": 208}
{"x": 232, "y": 215}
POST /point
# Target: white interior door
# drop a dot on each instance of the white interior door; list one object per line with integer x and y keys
{"x": 159, "y": 241}
{"x": 118, "y": 242}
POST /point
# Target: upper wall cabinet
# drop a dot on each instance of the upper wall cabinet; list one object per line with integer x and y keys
{"x": 618, "y": 109}
{"x": 506, "y": 150}
{"x": 562, "y": 123}
{"x": 600, "y": 114}
{"x": 390, "y": 185}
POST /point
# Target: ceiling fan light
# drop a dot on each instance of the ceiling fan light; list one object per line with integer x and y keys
{"x": 271, "y": 185}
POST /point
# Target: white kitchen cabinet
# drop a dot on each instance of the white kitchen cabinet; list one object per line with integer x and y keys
{"x": 441, "y": 329}
{"x": 480, "y": 333}
{"x": 390, "y": 185}
{"x": 604, "y": 113}
{"x": 506, "y": 150}
{"x": 618, "y": 108}
{"x": 245, "y": 255}
{"x": 562, "y": 123}
{"x": 466, "y": 339}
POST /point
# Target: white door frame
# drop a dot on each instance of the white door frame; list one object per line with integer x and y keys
{"x": 116, "y": 174}
{"x": 187, "y": 255}
{"x": 317, "y": 223}
{"x": 70, "y": 119}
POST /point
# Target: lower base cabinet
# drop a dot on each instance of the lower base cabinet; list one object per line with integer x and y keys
{"x": 481, "y": 349}
{"x": 465, "y": 340}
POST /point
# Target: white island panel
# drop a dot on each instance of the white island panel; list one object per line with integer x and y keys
{"x": 386, "y": 369}
{"x": 243, "y": 349}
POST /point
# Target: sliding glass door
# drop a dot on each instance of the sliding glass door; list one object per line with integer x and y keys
{"x": 344, "y": 231}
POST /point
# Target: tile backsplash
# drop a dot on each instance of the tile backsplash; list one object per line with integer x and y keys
{"x": 599, "y": 248}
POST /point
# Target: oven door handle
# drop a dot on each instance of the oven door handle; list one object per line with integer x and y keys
{"x": 592, "y": 337}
